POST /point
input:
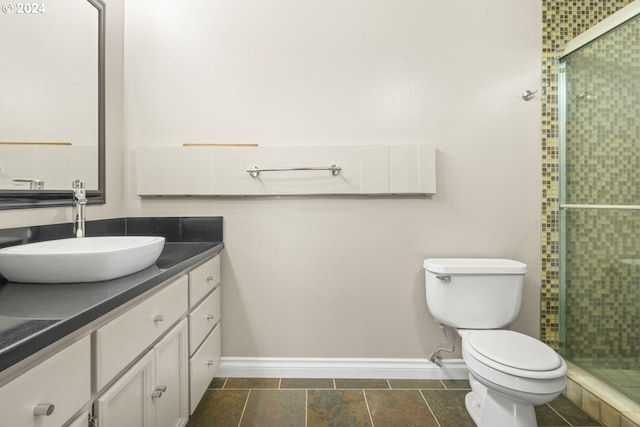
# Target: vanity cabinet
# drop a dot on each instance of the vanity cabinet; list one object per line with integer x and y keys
{"x": 147, "y": 364}
{"x": 154, "y": 391}
{"x": 50, "y": 393}
{"x": 166, "y": 384}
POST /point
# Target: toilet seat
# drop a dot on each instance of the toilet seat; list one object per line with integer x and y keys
{"x": 536, "y": 383}
{"x": 514, "y": 384}
{"x": 514, "y": 353}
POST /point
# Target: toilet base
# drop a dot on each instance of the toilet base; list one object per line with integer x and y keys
{"x": 489, "y": 408}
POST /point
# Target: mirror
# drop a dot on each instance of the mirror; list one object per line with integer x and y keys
{"x": 52, "y": 94}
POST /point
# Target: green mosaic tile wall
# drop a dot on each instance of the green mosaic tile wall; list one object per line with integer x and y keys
{"x": 561, "y": 21}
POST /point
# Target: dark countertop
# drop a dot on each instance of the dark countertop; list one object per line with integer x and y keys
{"x": 33, "y": 316}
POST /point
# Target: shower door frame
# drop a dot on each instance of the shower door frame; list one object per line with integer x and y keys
{"x": 562, "y": 173}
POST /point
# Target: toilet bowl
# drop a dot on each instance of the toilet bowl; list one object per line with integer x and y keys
{"x": 509, "y": 372}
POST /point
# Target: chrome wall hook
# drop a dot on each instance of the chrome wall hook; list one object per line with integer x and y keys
{"x": 528, "y": 95}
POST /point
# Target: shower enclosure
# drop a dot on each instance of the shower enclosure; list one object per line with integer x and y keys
{"x": 599, "y": 103}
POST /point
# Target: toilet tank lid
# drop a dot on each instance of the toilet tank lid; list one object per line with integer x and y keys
{"x": 474, "y": 266}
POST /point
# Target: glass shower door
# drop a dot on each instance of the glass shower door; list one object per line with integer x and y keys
{"x": 600, "y": 208}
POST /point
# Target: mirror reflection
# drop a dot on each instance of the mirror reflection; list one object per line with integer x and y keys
{"x": 51, "y": 117}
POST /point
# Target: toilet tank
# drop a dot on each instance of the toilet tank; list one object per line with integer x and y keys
{"x": 474, "y": 293}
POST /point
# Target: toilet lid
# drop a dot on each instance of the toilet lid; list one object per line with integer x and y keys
{"x": 514, "y": 349}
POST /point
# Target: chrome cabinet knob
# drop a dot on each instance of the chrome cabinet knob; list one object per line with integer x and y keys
{"x": 159, "y": 318}
{"x": 157, "y": 393}
{"x": 211, "y": 362}
{"x": 44, "y": 409}
{"x": 209, "y": 279}
{"x": 211, "y": 316}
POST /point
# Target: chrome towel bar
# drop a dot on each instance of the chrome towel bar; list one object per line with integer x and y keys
{"x": 255, "y": 171}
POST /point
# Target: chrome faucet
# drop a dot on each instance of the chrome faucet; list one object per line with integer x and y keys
{"x": 79, "y": 205}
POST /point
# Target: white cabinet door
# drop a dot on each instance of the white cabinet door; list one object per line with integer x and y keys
{"x": 172, "y": 382}
{"x": 128, "y": 401}
{"x": 154, "y": 392}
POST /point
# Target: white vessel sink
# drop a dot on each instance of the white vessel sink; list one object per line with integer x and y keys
{"x": 88, "y": 259}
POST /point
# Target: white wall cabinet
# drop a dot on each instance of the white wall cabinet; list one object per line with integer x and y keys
{"x": 222, "y": 171}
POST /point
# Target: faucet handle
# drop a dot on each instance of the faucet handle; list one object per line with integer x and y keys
{"x": 79, "y": 193}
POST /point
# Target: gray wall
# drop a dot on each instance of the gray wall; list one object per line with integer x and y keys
{"x": 342, "y": 277}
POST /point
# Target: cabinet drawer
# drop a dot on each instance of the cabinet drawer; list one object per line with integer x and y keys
{"x": 203, "y": 367}
{"x": 203, "y": 279}
{"x": 202, "y": 319}
{"x": 63, "y": 380}
{"x": 120, "y": 341}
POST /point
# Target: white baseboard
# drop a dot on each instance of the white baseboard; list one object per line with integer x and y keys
{"x": 286, "y": 367}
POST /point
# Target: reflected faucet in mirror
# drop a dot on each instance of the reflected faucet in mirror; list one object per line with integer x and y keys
{"x": 79, "y": 207}
{"x": 34, "y": 183}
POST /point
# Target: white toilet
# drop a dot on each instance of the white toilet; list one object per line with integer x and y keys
{"x": 509, "y": 372}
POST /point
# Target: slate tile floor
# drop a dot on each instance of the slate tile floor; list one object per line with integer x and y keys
{"x": 294, "y": 402}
